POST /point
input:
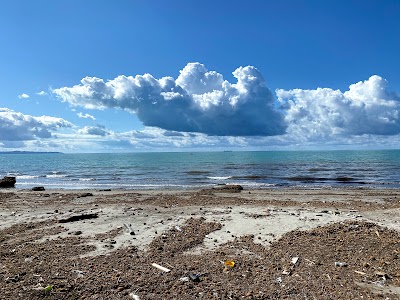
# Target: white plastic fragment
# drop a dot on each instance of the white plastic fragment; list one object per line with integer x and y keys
{"x": 79, "y": 273}
{"x": 279, "y": 280}
{"x": 164, "y": 269}
{"x": 340, "y": 264}
{"x": 184, "y": 279}
{"x": 295, "y": 260}
{"x": 134, "y": 296}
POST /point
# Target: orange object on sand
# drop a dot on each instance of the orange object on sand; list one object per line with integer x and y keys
{"x": 230, "y": 263}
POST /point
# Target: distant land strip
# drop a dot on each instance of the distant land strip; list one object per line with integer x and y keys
{"x": 26, "y": 152}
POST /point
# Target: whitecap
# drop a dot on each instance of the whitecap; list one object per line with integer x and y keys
{"x": 55, "y": 176}
{"x": 27, "y": 177}
{"x": 219, "y": 177}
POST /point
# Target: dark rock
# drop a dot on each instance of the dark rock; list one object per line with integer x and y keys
{"x": 38, "y": 188}
{"x": 85, "y": 195}
{"x": 8, "y": 182}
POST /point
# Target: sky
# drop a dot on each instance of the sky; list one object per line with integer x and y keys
{"x": 178, "y": 75}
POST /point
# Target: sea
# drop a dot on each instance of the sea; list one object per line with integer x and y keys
{"x": 192, "y": 170}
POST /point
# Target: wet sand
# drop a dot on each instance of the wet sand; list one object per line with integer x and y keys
{"x": 285, "y": 244}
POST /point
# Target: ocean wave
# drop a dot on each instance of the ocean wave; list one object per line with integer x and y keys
{"x": 250, "y": 177}
{"x": 256, "y": 185}
{"x": 87, "y": 179}
{"x": 219, "y": 177}
{"x": 56, "y": 176}
{"x": 27, "y": 176}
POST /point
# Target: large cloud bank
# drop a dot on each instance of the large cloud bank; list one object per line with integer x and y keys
{"x": 197, "y": 101}
{"x": 366, "y": 108}
{"x": 16, "y": 126}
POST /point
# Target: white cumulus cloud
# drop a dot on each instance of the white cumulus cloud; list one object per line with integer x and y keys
{"x": 23, "y": 96}
{"x": 197, "y": 101}
{"x": 15, "y": 126}
{"x": 85, "y": 116}
{"x": 366, "y": 108}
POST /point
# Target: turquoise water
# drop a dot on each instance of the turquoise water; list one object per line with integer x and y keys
{"x": 201, "y": 169}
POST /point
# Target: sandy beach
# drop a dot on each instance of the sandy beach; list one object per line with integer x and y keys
{"x": 206, "y": 244}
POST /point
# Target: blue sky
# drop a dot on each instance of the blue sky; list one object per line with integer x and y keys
{"x": 242, "y": 75}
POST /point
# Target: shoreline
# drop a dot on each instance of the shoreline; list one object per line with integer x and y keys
{"x": 244, "y": 224}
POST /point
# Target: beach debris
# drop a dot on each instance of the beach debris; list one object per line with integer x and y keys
{"x": 295, "y": 260}
{"x": 382, "y": 274}
{"x": 340, "y": 264}
{"x": 164, "y": 269}
{"x": 184, "y": 279}
{"x": 377, "y": 233}
{"x": 29, "y": 259}
{"x": 8, "y": 182}
{"x": 310, "y": 261}
{"x": 195, "y": 277}
{"x": 129, "y": 228}
{"x": 279, "y": 280}
{"x": 134, "y": 296}
{"x": 229, "y": 263}
{"x": 48, "y": 288}
{"x": 359, "y": 272}
{"x": 85, "y": 195}
{"x": 79, "y": 218}
{"x": 178, "y": 228}
{"x": 38, "y": 188}
{"x": 79, "y": 273}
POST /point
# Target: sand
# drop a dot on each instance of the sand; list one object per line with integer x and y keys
{"x": 284, "y": 244}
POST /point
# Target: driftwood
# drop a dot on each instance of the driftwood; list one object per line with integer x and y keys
{"x": 129, "y": 228}
{"x": 79, "y": 218}
{"x": 164, "y": 269}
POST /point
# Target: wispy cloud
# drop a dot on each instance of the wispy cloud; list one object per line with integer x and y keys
{"x": 41, "y": 93}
